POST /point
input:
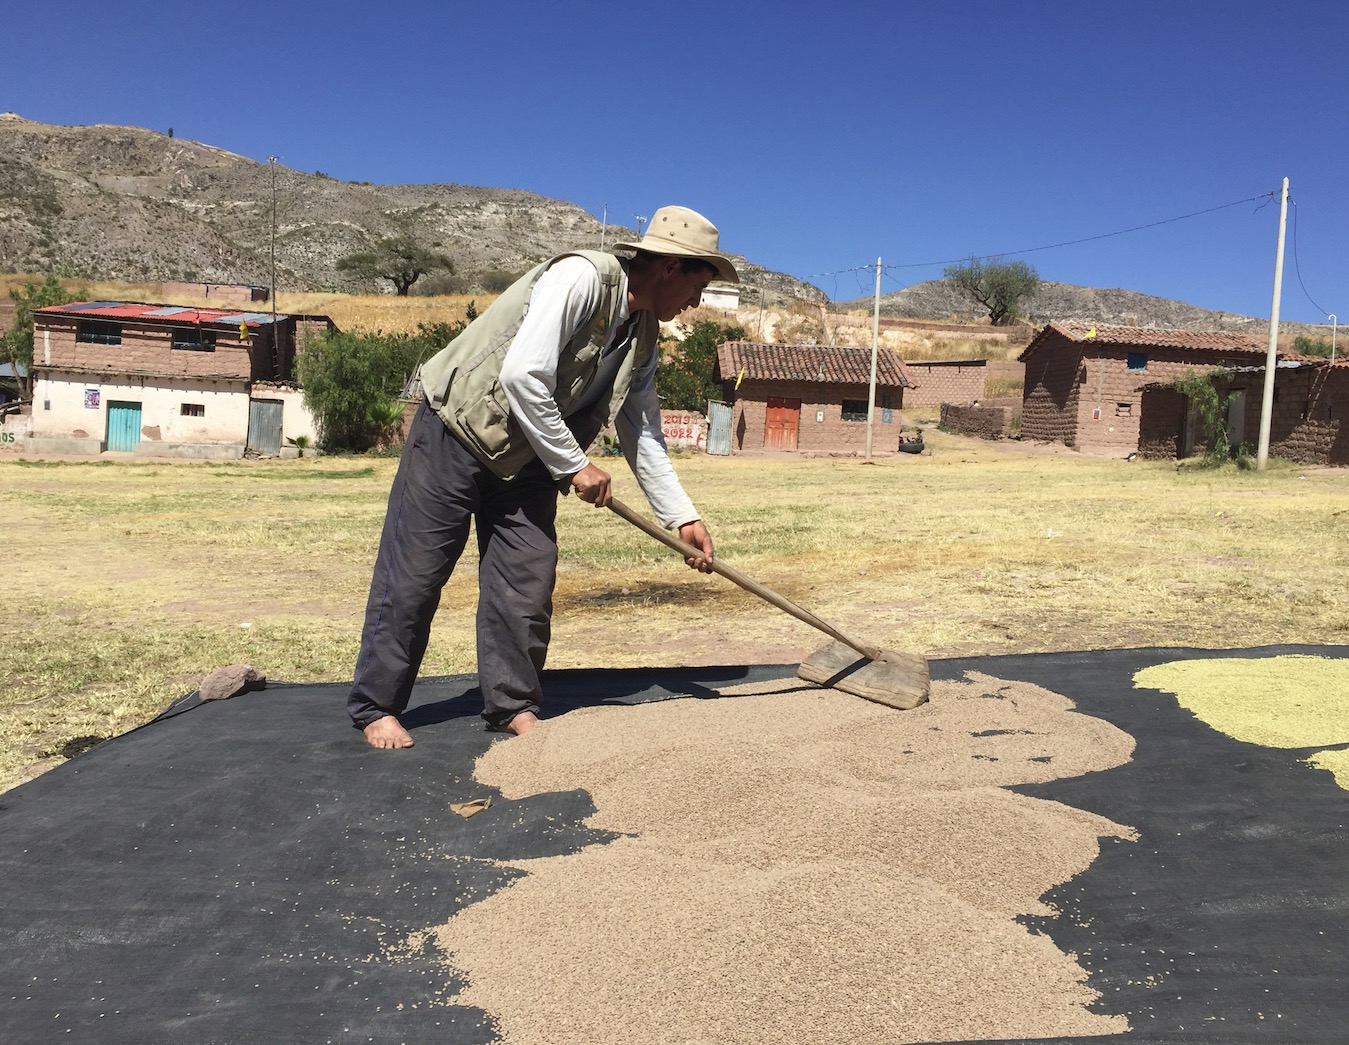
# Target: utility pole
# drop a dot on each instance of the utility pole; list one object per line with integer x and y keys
{"x": 271, "y": 293}
{"x": 875, "y": 343}
{"x": 1272, "y": 355}
{"x": 1334, "y": 321}
{"x": 604, "y": 226}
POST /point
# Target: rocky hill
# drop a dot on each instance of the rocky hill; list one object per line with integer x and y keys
{"x": 936, "y": 299}
{"x": 129, "y": 204}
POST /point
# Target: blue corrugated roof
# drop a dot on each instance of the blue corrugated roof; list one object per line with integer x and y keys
{"x": 170, "y": 310}
{"x": 7, "y": 370}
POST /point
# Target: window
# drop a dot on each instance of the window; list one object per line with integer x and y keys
{"x": 194, "y": 339}
{"x": 854, "y": 409}
{"x": 193, "y": 410}
{"x": 1124, "y": 409}
{"x": 98, "y": 332}
{"x": 1138, "y": 360}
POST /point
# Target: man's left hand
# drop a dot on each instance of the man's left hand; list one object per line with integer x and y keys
{"x": 695, "y": 533}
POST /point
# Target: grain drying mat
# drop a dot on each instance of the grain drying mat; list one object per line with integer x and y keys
{"x": 250, "y": 871}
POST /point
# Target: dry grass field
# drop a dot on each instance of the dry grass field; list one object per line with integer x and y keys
{"x": 128, "y": 581}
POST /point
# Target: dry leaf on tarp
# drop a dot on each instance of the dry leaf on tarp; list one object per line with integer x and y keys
{"x": 473, "y": 808}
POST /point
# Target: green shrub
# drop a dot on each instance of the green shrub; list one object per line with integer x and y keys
{"x": 348, "y": 376}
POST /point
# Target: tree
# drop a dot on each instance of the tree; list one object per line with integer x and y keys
{"x": 17, "y": 345}
{"x": 997, "y": 285}
{"x": 399, "y": 259}
{"x": 351, "y": 380}
{"x": 684, "y": 376}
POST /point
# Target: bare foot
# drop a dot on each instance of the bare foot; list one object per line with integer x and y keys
{"x": 387, "y": 732}
{"x": 521, "y": 723}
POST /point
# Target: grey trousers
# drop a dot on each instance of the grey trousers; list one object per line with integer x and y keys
{"x": 439, "y": 490}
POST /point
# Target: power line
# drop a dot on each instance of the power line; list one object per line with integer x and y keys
{"x": 1088, "y": 239}
{"x": 1298, "y": 268}
{"x": 1266, "y": 196}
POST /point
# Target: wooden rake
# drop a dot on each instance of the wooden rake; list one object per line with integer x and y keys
{"x": 890, "y": 677}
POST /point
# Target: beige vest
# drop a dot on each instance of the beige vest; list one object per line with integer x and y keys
{"x": 462, "y": 381}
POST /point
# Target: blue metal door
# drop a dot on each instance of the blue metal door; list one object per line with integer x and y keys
{"x": 124, "y": 425}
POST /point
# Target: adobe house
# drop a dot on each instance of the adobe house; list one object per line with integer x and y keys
{"x": 165, "y": 380}
{"x": 1307, "y": 421}
{"x": 938, "y": 381}
{"x": 809, "y": 397}
{"x": 1085, "y": 383}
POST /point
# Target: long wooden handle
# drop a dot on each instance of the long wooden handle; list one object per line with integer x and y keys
{"x": 736, "y": 577}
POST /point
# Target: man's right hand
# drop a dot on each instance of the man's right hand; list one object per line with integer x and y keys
{"x": 592, "y": 485}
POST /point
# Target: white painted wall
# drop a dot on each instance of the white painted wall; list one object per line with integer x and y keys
{"x": 61, "y": 408}
{"x": 721, "y": 295}
{"x": 296, "y": 419}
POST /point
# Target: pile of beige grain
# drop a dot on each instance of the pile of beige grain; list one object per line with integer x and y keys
{"x": 800, "y": 866}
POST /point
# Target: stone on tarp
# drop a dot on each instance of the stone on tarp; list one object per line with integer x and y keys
{"x": 230, "y": 681}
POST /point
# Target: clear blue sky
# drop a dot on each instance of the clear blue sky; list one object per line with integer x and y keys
{"x": 817, "y": 136}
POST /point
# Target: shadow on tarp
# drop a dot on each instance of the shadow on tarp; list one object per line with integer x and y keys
{"x": 250, "y": 870}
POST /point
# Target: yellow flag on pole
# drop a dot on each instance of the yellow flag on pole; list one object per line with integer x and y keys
{"x": 243, "y": 331}
{"x": 740, "y": 377}
{"x": 1092, "y": 331}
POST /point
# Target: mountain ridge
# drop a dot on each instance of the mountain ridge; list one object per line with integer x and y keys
{"x": 114, "y": 202}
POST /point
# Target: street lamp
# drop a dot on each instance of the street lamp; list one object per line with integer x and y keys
{"x": 641, "y": 220}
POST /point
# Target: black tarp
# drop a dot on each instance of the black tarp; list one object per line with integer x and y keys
{"x": 251, "y": 871}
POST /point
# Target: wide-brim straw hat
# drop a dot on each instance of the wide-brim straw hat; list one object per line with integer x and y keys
{"x": 682, "y": 233}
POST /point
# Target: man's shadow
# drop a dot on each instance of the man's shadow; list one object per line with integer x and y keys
{"x": 442, "y": 699}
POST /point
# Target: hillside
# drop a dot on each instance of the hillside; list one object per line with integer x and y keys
{"x": 129, "y": 204}
{"x": 1058, "y": 302}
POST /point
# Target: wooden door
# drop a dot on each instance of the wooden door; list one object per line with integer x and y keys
{"x": 783, "y": 420}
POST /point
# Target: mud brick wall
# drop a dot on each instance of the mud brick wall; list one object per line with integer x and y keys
{"x": 984, "y": 422}
{"x": 1161, "y": 424}
{"x": 945, "y": 382}
{"x": 832, "y": 434}
{"x": 1307, "y": 424}
{"x": 144, "y": 350}
{"x": 1049, "y": 402}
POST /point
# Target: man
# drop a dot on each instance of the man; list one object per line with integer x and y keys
{"x": 511, "y": 405}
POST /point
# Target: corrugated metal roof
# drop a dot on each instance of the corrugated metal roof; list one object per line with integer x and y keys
{"x": 820, "y": 364}
{"x": 1146, "y": 337}
{"x": 143, "y": 310}
{"x": 253, "y": 318}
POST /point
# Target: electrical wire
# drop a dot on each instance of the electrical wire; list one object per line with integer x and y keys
{"x": 1298, "y": 268}
{"x": 1265, "y": 196}
{"x": 1089, "y": 239}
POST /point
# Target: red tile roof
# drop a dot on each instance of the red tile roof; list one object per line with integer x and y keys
{"x": 820, "y": 364}
{"x": 1147, "y": 337}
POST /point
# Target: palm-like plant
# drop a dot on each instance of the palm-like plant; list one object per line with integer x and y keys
{"x": 386, "y": 422}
